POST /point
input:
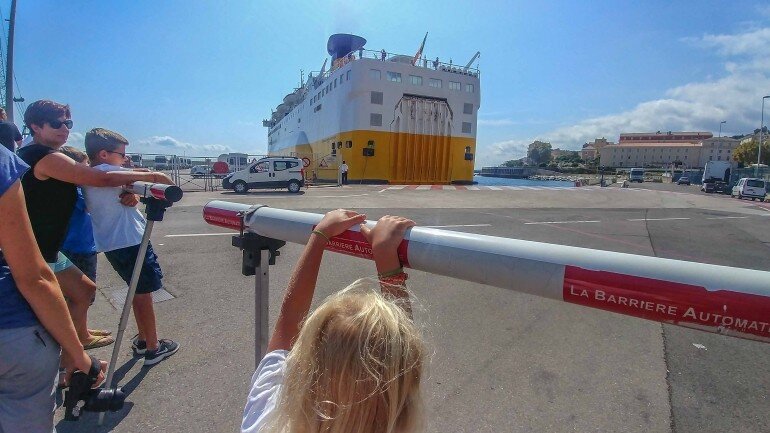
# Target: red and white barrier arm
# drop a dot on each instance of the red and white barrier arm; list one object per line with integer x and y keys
{"x": 160, "y": 191}
{"x": 719, "y": 299}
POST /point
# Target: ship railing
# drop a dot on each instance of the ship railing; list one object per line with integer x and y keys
{"x": 423, "y": 62}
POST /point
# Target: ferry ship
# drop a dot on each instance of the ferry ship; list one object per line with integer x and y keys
{"x": 399, "y": 119}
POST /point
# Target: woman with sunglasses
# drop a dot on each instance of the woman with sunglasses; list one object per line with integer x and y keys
{"x": 50, "y": 187}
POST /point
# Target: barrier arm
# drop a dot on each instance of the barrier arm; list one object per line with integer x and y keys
{"x": 718, "y": 299}
{"x": 157, "y": 198}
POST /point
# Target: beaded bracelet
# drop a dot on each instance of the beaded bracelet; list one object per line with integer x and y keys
{"x": 400, "y": 270}
{"x": 322, "y": 234}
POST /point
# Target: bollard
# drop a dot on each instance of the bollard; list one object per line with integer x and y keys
{"x": 712, "y": 298}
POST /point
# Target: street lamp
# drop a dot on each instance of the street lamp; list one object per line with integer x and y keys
{"x": 761, "y": 126}
{"x": 720, "y": 127}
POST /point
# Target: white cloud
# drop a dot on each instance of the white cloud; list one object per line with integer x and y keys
{"x": 735, "y": 97}
{"x": 172, "y": 146}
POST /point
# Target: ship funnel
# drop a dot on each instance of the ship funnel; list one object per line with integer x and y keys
{"x": 341, "y": 44}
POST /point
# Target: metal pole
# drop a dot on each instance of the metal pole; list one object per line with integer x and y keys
{"x": 127, "y": 306}
{"x": 718, "y": 299}
{"x": 261, "y": 306}
{"x": 9, "y": 64}
{"x": 761, "y": 126}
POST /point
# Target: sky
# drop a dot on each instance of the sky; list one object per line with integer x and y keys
{"x": 197, "y": 78}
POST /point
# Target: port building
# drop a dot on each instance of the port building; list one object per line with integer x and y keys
{"x": 661, "y": 149}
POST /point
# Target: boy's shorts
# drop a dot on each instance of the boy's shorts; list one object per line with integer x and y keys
{"x": 86, "y": 262}
{"x": 61, "y": 263}
{"x": 123, "y": 259}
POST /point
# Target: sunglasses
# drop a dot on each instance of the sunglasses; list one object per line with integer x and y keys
{"x": 116, "y": 153}
{"x": 56, "y": 123}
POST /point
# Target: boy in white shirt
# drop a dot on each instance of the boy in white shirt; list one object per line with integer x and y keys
{"x": 118, "y": 232}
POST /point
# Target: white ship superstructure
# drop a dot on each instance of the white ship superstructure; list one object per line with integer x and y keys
{"x": 392, "y": 118}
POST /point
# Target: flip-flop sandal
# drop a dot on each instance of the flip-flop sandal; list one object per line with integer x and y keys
{"x": 99, "y": 341}
{"x": 99, "y": 332}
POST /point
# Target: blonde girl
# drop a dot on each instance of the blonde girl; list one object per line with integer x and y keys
{"x": 355, "y": 363}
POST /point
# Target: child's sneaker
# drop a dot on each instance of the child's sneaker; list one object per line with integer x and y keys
{"x": 138, "y": 346}
{"x": 165, "y": 349}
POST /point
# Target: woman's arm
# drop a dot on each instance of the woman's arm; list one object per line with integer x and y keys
{"x": 62, "y": 167}
{"x": 299, "y": 294}
{"x": 35, "y": 280}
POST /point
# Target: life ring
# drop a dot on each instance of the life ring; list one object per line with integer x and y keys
{"x": 306, "y": 162}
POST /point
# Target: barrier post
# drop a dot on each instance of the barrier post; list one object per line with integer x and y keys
{"x": 259, "y": 252}
{"x": 157, "y": 198}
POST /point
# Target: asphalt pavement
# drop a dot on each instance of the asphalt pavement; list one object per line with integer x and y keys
{"x": 501, "y": 360}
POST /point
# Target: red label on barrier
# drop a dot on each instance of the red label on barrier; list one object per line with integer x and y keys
{"x": 223, "y": 218}
{"x": 665, "y": 301}
{"x": 355, "y": 244}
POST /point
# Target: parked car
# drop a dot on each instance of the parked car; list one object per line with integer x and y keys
{"x": 200, "y": 170}
{"x": 270, "y": 172}
{"x": 751, "y": 188}
{"x": 683, "y": 180}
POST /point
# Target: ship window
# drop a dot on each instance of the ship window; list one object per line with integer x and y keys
{"x": 335, "y": 83}
{"x": 375, "y": 119}
{"x": 454, "y": 85}
{"x": 466, "y": 127}
{"x": 434, "y": 82}
{"x": 394, "y": 76}
{"x": 334, "y": 149}
{"x": 467, "y": 108}
{"x": 415, "y": 80}
{"x": 317, "y": 108}
{"x": 469, "y": 88}
{"x": 349, "y": 144}
{"x": 339, "y": 145}
{"x": 347, "y": 76}
{"x": 375, "y": 74}
{"x": 376, "y": 98}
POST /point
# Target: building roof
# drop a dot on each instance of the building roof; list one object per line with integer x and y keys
{"x": 653, "y": 144}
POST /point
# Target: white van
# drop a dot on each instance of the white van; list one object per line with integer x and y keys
{"x": 750, "y": 187}
{"x": 270, "y": 172}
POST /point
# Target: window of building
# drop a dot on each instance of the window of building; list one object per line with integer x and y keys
{"x": 375, "y": 74}
{"x": 334, "y": 149}
{"x": 719, "y": 158}
{"x": 335, "y": 83}
{"x": 454, "y": 85}
{"x": 469, "y": 88}
{"x": 416, "y": 80}
{"x": 467, "y": 108}
{"x": 394, "y": 77}
{"x": 349, "y": 144}
{"x": 466, "y": 127}
{"x": 375, "y": 119}
{"x": 347, "y": 75}
{"x": 376, "y": 98}
{"x": 434, "y": 82}
{"x": 317, "y": 108}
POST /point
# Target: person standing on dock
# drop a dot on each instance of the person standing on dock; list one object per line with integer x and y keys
{"x": 10, "y": 137}
{"x": 344, "y": 170}
{"x": 382, "y": 55}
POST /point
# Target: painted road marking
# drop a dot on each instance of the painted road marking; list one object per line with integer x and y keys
{"x": 423, "y": 187}
{"x": 565, "y": 222}
{"x": 727, "y": 217}
{"x": 189, "y": 235}
{"x": 656, "y": 219}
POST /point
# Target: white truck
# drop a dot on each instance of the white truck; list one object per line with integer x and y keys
{"x": 636, "y": 175}
{"x": 716, "y": 171}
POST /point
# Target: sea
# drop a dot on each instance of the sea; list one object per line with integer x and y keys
{"x": 504, "y": 181}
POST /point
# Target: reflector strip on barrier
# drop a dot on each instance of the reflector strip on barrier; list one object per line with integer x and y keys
{"x": 170, "y": 193}
{"x": 712, "y": 298}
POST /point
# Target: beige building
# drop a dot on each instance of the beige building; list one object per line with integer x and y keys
{"x": 591, "y": 151}
{"x": 692, "y": 149}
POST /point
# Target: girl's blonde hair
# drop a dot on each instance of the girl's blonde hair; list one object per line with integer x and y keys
{"x": 355, "y": 367}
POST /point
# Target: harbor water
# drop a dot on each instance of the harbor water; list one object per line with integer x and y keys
{"x": 504, "y": 181}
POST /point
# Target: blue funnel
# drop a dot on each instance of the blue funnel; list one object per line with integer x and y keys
{"x": 341, "y": 44}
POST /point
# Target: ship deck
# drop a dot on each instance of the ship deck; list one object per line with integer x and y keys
{"x": 502, "y": 361}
